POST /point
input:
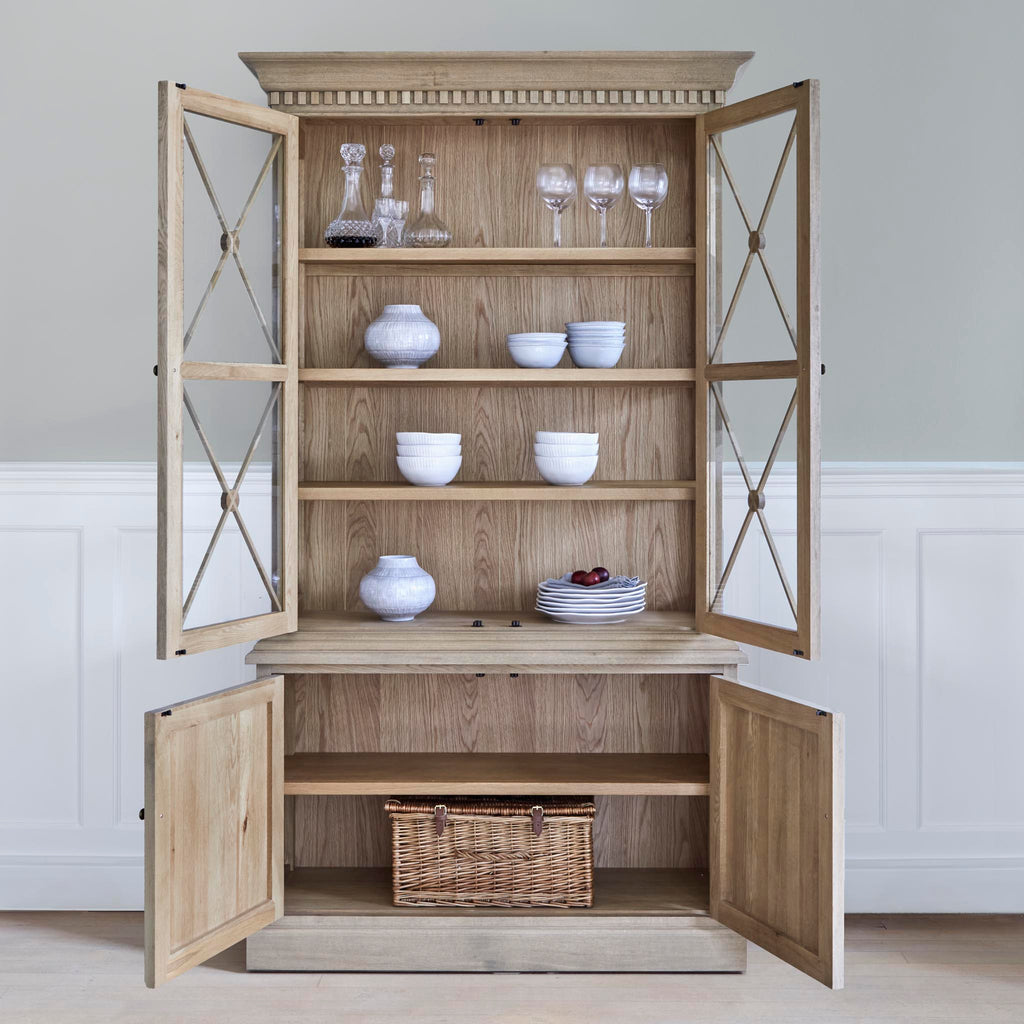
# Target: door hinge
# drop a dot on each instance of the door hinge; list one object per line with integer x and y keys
{"x": 142, "y": 814}
{"x": 823, "y": 369}
{"x": 156, "y": 370}
{"x": 181, "y": 85}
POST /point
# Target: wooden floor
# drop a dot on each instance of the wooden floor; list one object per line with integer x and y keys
{"x": 69, "y": 968}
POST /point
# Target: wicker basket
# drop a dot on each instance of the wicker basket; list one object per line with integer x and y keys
{"x": 492, "y": 852}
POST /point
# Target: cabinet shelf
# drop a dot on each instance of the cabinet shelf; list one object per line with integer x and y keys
{"x": 447, "y": 642}
{"x": 529, "y": 774}
{"x": 618, "y": 892}
{"x": 607, "y": 490}
{"x": 451, "y": 260}
{"x": 507, "y": 377}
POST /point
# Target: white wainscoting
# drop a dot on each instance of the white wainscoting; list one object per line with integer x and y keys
{"x": 922, "y": 593}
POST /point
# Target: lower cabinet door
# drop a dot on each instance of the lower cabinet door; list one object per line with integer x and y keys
{"x": 776, "y": 860}
{"x": 214, "y": 824}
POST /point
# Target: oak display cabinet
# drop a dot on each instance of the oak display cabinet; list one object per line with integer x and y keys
{"x": 720, "y": 814}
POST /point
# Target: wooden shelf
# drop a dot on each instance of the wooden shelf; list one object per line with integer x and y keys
{"x": 608, "y": 490}
{"x": 476, "y": 257}
{"x": 447, "y": 642}
{"x": 618, "y": 892}
{"x": 510, "y": 377}
{"x": 496, "y": 774}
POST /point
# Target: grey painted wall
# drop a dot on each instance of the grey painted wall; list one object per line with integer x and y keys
{"x": 923, "y": 215}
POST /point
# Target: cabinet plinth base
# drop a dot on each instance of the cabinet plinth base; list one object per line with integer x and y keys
{"x": 642, "y": 920}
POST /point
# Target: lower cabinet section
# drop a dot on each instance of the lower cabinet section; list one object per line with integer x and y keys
{"x": 342, "y": 919}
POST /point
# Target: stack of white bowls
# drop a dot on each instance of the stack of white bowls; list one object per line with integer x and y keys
{"x": 615, "y": 600}
{"x": 429, "y": 460}
{"x": 536, "y": 350}
{"x": 596, "y": 343}
{"x": 567, "y": 460}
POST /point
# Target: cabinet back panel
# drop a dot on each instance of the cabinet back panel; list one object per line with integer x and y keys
{"x": 489, "y": 556}
{"x": 475, "y": 313}
{"x": 486, "y": 177}
{"x": 646, "y": 432}
{"x": 452, "y": 714}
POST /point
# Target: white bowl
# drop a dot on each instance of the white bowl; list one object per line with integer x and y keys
{"x": 595, "y": 355}
{"x": 557, "y": 437}
{"x": 429, "y": 472}
{"x": 538, "y": 355}
{"x": 605, "y": 336}
{"x": 535, "y": 336}
{"x": 560, "y": 450}
{"x": 414, "y": 437}
{"x": 598, "y": 323}
{"x": 431, "y": 451}
{"x": 566, "y": 471}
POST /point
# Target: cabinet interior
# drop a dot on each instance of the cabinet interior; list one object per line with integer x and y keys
{"x": 487, "y": 555}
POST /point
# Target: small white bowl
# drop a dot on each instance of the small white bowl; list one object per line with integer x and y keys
{"x": 550, "y": 336}
{"x": 560, "y": 450}
{"x": 595, "y": 355}
{"x": 431, "y": 451}
{"x": 606, "y": 336}
{"x": 558, "y": 437}
{"x": 598, "y": 323}
{"x": 419, "y": 437}
{"x": 539, "y": 355}
{"x": 429, "y": 472}
{"x": 566, "y": 471}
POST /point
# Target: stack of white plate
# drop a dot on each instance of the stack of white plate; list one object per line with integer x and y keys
{"x": 596, "y": 343}
{"x": 536, "y": 350}
{"x": 615, "y": 600}
{"x": 429, "y": 460}
{"x": 567, "y": 460}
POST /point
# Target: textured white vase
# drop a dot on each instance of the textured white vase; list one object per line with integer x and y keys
{"x": 397, "y": 589}
{"x": 402, "y": 337}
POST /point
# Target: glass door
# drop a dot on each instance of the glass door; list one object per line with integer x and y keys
{"x": 758, "y": 369}
{"x": 227, "y": 371}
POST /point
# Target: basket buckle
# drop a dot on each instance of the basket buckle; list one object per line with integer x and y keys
{"x": 537, "y": 817}
{"x": 440, "y": 819}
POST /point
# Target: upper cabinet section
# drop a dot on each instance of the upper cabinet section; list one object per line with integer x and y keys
{"x": 496, "y": 84}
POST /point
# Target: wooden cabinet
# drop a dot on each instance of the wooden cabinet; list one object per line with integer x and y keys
{"x": 719, "y": 807}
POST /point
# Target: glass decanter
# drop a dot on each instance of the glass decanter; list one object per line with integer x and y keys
{"x": 352, "y": 227}
{"x": 388, "y": 212}
{"x": 427, "y": 231}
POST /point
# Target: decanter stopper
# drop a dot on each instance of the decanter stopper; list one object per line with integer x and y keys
{"x": 387, "y": 170}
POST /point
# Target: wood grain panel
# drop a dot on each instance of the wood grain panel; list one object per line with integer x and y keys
{"x": 489, "y": 556}
{"x": 475, "y": 313}
{"x": 486, "y": 190}
{"x": 646, "y": 432}
{"x": 502, "y": 714}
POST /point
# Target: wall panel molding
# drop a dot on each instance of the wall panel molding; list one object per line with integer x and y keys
{"x": 902, "y": 549}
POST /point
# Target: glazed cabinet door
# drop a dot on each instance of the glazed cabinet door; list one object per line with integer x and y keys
{"x": 758, "y": 368}
{"x": 214, "y": 819}
{"x": 227, "y": 372}
{"x": 776, "y": 857}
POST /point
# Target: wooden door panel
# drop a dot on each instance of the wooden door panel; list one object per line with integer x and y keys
{"x": 776, "y": 859}
{"x": 214, "y": 824}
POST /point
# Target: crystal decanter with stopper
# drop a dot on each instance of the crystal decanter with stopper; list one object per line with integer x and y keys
{"x": 388, "y": 213}
{"x": 427, "y": 231}
{"x": 352, "y": 226}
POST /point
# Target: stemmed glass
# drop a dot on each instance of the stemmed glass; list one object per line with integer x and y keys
{"x": 556, "y": 184}
{"x": 602, "y": 185}
{"x": 648, "y": 187}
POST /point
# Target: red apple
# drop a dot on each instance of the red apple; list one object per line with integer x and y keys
{"x": 602, "y": 573}
{"x": 590, "y": 578}
{"x": 577, "y": 576}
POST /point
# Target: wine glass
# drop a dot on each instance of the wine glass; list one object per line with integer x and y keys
{"x": 648, "y": 187}
{"x": 602, "y": 185}
{"x": 556, "y": 184}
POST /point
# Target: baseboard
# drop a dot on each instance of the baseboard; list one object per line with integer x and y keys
{"x": 71, "y": 883}
{"x": 977, "y": 885}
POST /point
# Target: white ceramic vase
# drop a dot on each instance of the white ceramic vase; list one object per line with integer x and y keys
{"x": 402, "y": 337}
{"x": 397, "y": 589}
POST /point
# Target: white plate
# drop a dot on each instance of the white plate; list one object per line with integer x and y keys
{"x": 583, "y": 603}
{"x": 576, "y": 619}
